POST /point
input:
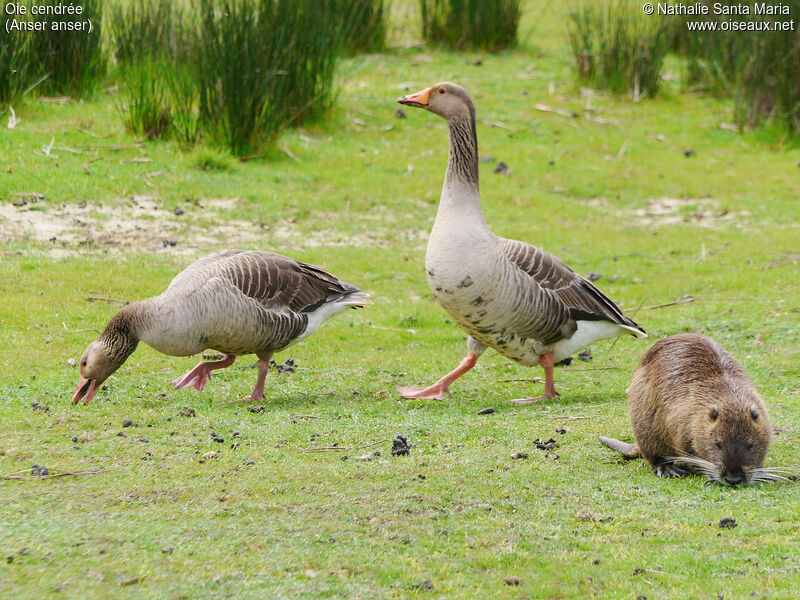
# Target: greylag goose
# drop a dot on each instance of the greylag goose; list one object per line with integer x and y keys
{"x": 508, "y": 295}
{"x": 236, "y": 302}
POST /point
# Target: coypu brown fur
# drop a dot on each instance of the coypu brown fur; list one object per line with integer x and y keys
{"x": 692, "y": 402}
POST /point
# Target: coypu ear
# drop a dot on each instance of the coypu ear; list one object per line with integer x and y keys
{"x": 754, "y": 413}
{"x": 714, "y": 413}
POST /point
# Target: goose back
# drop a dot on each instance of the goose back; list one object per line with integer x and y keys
{"x": 241, "y": 302}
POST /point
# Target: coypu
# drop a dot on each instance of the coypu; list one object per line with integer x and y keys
{"x": 693, "y": 403}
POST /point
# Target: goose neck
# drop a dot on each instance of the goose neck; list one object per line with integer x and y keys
{"x": 123, "y": 331}
{"x": 462, "y": 164}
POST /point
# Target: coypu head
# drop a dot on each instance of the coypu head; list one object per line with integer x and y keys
{"x": 731, "y": 442}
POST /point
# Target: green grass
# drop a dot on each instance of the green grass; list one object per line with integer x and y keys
{"x": 616, "y": 47}
{"x": 471, "y": 24}
{"x": 359, "y": 198}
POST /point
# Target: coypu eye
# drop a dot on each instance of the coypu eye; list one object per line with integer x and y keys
{"x": 750, "y": 446}
{"x": 714, "y": 414}
{"x": 718, "y": 445}
{"x": 442, "y": 90}
{"x": 754, "y": 414}
{"x": 83, "y": 362}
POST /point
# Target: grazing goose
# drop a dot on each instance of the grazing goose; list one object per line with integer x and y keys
{"x": 507, "y": 295}
{"x": 235, "y": 302}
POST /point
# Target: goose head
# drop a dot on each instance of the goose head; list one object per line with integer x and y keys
{"x": 106, "y": 354}
{"x": 97, "y": 363}
{"x": 448, "y": 100}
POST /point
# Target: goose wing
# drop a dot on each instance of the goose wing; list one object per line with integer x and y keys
{"x": 276, "y": 282}
{"x": 554, "y": 297}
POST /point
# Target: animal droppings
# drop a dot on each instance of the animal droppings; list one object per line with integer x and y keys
{"x": 287, "y": 367}
{"x": 256, "y": 409}
{"x": 127, "y": 422}
{"x": 517, "y": 455}
{"x": 211, "y": 454}
{"x": 502, "y": 168}
{"x": 512, "y": 581}
{"x": 187, "y": 412}
{"x": 40, "y": 406}
{"x": 426, "y": 585}
{"x": 728, "y": 523}
{"x": 400, "y": 446}
{"x": 486, "y": 411}
{"x": 545, "y": 445}
{"x": 585, "y": 355}
{"x": 39, "y": 471}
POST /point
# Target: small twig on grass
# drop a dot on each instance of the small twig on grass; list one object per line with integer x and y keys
{"x": 49, "y": 148}
{"x": 18, "y": 477}
{"x": 568, "y": 418}
{"x": 65, "y": 149}
{"x": 570, "y": 114}
{"x": 683, "y": 300}
{"x": 304, "y": 416}
{"x": 571, "y": 370}
{"x": 343, "y": 449}
{"x": 533, "y": 379}
{"x": 290, "y": 154}
{"x": 114, "y": 147}
{"x": 109, "y": 300}
{"x": 94, "y": 135}
{"x": 97, "y": 331}
{"x": 56, "y": 99}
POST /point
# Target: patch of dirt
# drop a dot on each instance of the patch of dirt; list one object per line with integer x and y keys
{"x": 140, "y": 225}
{"x": 672, "y": 211}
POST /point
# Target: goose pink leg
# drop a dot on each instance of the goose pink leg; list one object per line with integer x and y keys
{"x": 441, "y": 388}
{"x": 198, "y": 376}
{"x": 258, "y": 391}
{"x": 546, "y": 360}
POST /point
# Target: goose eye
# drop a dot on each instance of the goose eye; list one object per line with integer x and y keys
{"x": 714, "y": 414}
{"x": 442, "y": 91}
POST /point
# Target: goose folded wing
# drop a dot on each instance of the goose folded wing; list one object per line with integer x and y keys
{"x": 281, "y": 283}
{"x": 557, "y": 297}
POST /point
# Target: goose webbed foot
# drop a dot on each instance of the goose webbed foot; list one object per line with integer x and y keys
{"x": 437, "y": 391}
{"x": 546, "y": 360}
{"x": 198, "y": 377}
{"x": 440, "y": 389}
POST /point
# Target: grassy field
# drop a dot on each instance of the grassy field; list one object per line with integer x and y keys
{"x": 655, "y": 197}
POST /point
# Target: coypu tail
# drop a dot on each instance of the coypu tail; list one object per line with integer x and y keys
{"x": 629, "y": 451}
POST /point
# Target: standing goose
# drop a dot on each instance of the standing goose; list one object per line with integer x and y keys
{"x": 236, "y": 302}
{"x": 507, "y": 295}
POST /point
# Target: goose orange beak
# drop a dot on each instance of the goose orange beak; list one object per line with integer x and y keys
{"x": 87, "y": 387}
{"x": 420, "y": 99}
